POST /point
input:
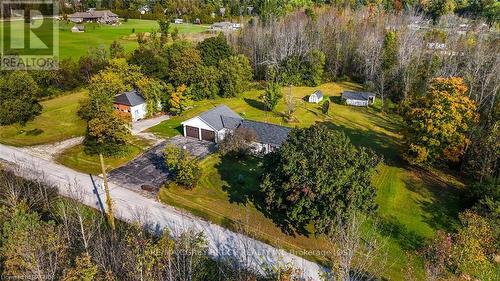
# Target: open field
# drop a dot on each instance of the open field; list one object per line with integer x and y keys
{"x": 413, "y": 204}
{"x": 57, "y": 122}
{"x": 76, "y": 158}
{"x": 75, "y": 45}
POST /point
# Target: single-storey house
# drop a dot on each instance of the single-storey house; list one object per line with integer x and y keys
{"x": 316, "y": 97}
{"x": 214, "y": 124}
{"x": 104, "y": 16}
{"x": 358, "y": 98}
{"x": 131, "y": 104}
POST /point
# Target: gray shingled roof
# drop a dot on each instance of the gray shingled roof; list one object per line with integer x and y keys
{"x": 363, "y": 96}
{"x": 267, "y": 133}
{"x": 318, "y": 93}
{"x": 131, "y": 98}
{"x": 213, "y": 117}
{"x": 230, "y": 122}
{"x": 221, "y": 117}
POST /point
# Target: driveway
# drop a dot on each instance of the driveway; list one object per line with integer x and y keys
{"x": 131, "y": 207}
{"x": 149, "y": 168}
{"x": 145, "y": 124}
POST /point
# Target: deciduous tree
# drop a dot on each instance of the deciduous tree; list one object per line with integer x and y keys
{"x": 214, "y": 49}
{"x": 317, "y": 175}
{"x": 236, "y": 74}
{"x": 18, "y": 98}
{"x": 180, "y": 100}
{"x": 238, "y": 142}
{"x": 438, "y": 122}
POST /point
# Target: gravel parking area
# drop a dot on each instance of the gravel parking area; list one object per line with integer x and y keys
{"x": 149, "y": 168}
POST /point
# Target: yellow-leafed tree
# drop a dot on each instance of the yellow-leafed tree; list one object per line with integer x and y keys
{"x": 438, "y": 122}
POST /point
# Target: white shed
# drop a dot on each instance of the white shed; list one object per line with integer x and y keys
{"x": 78, "y": 28}
{"x": 316, "y": 97}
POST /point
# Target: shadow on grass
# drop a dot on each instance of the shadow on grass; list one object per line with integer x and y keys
{"x": 34, "y": 132}
{"x": 242, "y": 178}
{"x": 255, "y": 104}
{"x": 382, "y": 144}
{"x": 444, "y": 201}
{"x": 336, "y": 99}
{"x": 407, "y": 239}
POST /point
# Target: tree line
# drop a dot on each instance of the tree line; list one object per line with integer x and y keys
{"x": 208, "y": 11}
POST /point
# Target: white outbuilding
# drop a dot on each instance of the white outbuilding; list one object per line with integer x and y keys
{"x": 358, "y": 98}
{"x": 316, "y": 97}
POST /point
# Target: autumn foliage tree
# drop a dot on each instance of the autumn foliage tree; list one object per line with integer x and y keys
{"x": 438, "y": 122}
{"x": 180, "y": 100}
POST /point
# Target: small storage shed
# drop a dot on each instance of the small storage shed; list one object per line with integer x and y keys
{"x": 78, "y": 28}
{"x": 358, "y": 98}
{"x": 316, "y": 97}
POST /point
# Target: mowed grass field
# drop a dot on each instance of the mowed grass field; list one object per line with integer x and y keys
{"x": 76, "y": 158}
{"x": 58, "y": 121}
{"x": 413, "y": 203}
{"x": 75, "y": 45}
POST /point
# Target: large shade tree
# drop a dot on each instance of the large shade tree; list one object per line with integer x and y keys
{"x": 317, "y": 175}
{"x": 236, "y": 74}
{"x": 18, "y": 98}
{"x": 438, "y": 122}
{"x": 214, "y": 49}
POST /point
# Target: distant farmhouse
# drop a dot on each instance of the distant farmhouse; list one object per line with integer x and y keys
{"x": 214, "y": 124}
{"x": 225, "y": 26}
{"x": 104, "y": 16}
{"x": 358, "y": 98}
{"x": 131, "y": 104}
{"x": 315, "y": 97}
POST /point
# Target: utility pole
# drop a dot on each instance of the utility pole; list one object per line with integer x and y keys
{"x": 109, "y": 202}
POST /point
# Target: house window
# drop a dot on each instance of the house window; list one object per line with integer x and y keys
{"x": 136, "y": 112}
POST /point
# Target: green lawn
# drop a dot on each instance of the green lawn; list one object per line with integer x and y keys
{"x": 76, "y": 158}
{"x": 57, "y": 122}
{"x": 75, "y": 45}
{"x": 413, "y": 204}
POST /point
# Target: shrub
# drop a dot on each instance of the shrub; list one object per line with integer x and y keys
{"x": 185, "y": 168}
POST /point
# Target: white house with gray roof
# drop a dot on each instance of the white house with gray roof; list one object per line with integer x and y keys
{"x": 214, "y": 124}
{"x": 131, "y": 104}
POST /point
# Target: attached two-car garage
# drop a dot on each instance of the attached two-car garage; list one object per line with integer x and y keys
{"x": 199, "y": 133}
